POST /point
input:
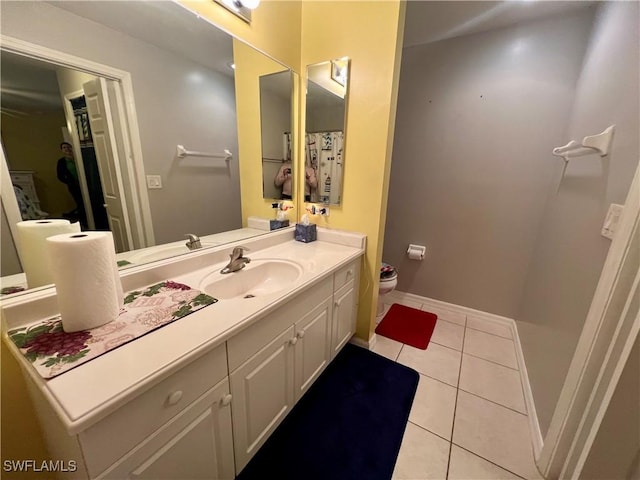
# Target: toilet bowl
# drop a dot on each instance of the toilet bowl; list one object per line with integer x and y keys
{"x": 388, "y": 282}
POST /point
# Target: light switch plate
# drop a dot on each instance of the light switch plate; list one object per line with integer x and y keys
{"x": 611, "y": 220}
{"x": 154, "y": 181}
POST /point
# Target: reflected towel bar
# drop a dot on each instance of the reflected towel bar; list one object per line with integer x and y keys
{"x": 182, "y": 152}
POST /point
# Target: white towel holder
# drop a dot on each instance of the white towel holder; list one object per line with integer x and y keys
{"x": 182, "y": 152}
{"x": 600, "y": 144}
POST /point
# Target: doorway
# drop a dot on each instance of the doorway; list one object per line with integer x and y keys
{"x": 68, "y": 79}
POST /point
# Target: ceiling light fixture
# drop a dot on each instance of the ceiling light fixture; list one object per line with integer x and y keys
{"x": 241, "y": 8}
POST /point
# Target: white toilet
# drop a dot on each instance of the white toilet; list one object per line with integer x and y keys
{"x": 388, "y": 282}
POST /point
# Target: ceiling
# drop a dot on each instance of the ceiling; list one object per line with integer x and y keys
{"x": 27, "y": 85}
{"x": 430, "y": 21}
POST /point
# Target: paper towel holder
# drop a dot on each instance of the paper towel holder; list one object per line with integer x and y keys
{"x": 416, "y": 252}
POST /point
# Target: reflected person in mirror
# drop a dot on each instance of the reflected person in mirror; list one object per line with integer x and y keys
{"x": 67, "y": 173}
{"x": 283, "y": 179}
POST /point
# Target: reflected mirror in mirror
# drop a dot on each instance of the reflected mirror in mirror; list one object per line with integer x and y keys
{"x": 165, "y": 75}
{"x": 326, "y": 99}
{"x": 275, "y": 122}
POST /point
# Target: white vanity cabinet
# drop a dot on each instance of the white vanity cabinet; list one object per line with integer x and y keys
{"x": 207, "y": 418}
{"x": 195, "y": 444}
{"x": 273, "y": 362}
{"x": 345, "y": 305}
{"x": 179, "y": 428}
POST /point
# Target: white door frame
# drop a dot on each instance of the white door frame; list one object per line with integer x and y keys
{"x": 610, "y": 331}
{"x": 77, "y": 152}
{"x": 138, "y": 199}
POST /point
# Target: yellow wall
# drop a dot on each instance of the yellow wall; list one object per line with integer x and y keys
{"x": 21, "y": 437}
{"x": 32, "y": 142}
{"x": 370, "y": 34}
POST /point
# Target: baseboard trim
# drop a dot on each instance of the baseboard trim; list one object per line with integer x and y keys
{"x": 368, "y": 344}
{"x": 426, "y": 303}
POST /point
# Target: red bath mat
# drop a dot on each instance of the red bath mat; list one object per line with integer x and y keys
{"x": 408, "y": 325}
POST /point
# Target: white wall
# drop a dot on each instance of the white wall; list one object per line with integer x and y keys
{"x": 477, "y": 119}
{"x": 570, "y": 252}
{"x": 178, "y": 102}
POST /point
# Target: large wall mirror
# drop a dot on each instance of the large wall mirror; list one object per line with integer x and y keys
{"x": 325, "y": 119}
{"x": 166, "y": 79}
{"x": 275, "y": 128}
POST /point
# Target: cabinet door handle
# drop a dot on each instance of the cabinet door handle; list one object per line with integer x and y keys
{"x": 349, "y": 272}
{"x": 337, "y": 304}
{"x": 226, "y": 400}
{"x": 293, "y": 341}
{"x": 300, "y": 334}
{"x": 174, "y": 397}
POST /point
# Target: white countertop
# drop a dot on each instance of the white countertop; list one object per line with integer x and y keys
{"x": 89, "y": 392}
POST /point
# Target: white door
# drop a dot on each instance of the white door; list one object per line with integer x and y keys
{"x": 104, "y": 143}
{"x": 313, "y": 349}
{"x": 262, "y": 390}
{"x": 344, "y": 316}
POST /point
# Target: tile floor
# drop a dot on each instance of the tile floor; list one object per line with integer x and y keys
{"x": 469, "y": 417}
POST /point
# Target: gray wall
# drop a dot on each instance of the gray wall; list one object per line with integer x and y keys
{"x": 474, "y": 180}
{"x": 178, "y": 102}
{"x": 570, "y": 251}
{"x": 477, "y": 119}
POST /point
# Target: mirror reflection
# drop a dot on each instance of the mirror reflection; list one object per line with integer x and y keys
{"x": 327, "y": 87}
{"x": 163, "y": 78}
{"x": 275, "y": 122}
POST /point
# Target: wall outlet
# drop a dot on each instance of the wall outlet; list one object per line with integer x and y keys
{"x": 154, "y": 181}
{"x": 611, "y": 221}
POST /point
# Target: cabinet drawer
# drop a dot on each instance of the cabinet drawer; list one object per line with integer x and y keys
{"x": 112, "y": 437}
{"x": 346, "y": 274}
{"x": 249, "y": 341}
{"x": 196, "y": 443}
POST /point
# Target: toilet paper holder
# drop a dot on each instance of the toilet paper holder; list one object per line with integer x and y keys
{"x": 416, "y": 252}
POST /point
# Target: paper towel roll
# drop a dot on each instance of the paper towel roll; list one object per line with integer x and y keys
{"x": 32, "y": 247}
{"x": 86, "y": 276}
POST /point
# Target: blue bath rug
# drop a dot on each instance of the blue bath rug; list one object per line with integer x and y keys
{"x": 348, "y": 426}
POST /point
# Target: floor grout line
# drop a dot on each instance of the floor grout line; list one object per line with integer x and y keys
{"x": 489, "y": 333}
{"x": 430, "y": 431}
{"x": 492, "y": 401}
{"x": 487, "y": 460}
{"x": 455, "y": 406}
{"x": 491, "y": 361}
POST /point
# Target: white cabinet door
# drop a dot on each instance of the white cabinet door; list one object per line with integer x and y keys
{"x": 313, "y": 347}
{"x": 344, "y": 317}
{"x": 196, "y": 444}
{"x": 262, "y": 389}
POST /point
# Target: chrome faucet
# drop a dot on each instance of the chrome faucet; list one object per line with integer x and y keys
{"x": 194, "y": 242}
{"x": 237, "y": 262}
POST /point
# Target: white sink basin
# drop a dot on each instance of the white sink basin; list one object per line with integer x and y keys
{"x": 161, "y": 252}
{"x": 260, "y": 277}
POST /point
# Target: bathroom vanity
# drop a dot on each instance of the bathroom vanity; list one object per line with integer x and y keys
{"x": 198, "y": 397}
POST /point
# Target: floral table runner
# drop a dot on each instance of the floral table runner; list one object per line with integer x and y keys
{"x": 52, "y": 351}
